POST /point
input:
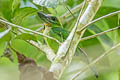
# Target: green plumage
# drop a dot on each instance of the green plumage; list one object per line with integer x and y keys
{"x": 60, "y": 32}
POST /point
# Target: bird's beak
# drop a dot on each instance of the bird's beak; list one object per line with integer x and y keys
{"x": 41, "y": 15}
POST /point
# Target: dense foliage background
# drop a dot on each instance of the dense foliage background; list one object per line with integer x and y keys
{"x": 24, "y": 13}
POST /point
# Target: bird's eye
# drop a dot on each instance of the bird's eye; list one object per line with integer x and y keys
{"x": 54, "y": 18}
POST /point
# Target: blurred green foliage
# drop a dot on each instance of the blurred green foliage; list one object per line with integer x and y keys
{"x": 24, "y": 13}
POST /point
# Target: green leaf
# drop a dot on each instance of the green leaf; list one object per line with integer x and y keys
{"x": 6, "y": 9}
{"x": 108, "y": 23}
{"x": 105, "y": 39}
{"x": 112, "y": 3}
{"x": 5, "y": 61}
{"x": 15, "y": 5}
{"x": 94, "y": 48}
{"x": 26, "y": 36}
{"x": 22, "y": 13}
{"x": 30, "y": 51}
{"x": 2, "y": 34}
{"x": 52, "y": 43}
{"x": 2, "y": 47}
{"x": 5, "y": 35}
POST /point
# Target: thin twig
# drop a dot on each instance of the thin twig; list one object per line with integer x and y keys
{"x": 67, "y": 8}
{"x": 95, "y": 61}
{"x": 98, "y": 19}
{"x": 73, "y": 10}
{"x": 30, "y": 30}
{"x": 99, "y": 34}
{"x": 93, "y": 69}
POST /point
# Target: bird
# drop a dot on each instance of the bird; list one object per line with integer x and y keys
{"x": 48, "y": 19}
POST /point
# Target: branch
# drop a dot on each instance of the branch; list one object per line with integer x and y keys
{"x": 44, "y": 48}
{"x": 73, "y": 10}
{"x": 95, "y": 61}
{"x": 99, "y": 34}
{"x": 62, "y": 51}
{"x": 87, "y": 16}
{"x": 66, "y": 44}
{"x": 29, "y": 30}
{"x": 67, "y": 49}
{"x": 98, "y": 19}
{"x": 48, "y": 51}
